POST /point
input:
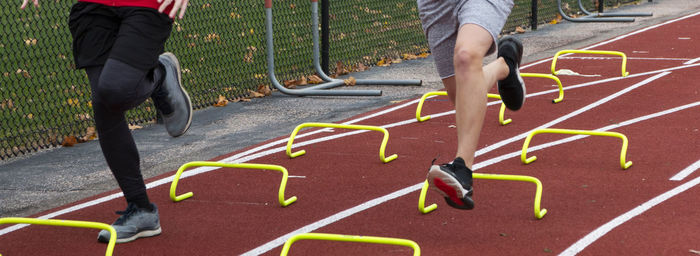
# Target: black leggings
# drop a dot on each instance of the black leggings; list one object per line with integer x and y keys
{"x": 117, "y": 87}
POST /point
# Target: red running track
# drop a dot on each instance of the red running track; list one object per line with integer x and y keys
{"x": 595, "y": 207}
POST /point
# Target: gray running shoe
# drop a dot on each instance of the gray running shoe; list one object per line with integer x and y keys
{"x": 171, "y": 99}
{"x": 133, "y": 223}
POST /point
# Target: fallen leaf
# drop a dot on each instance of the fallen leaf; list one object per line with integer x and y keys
{"x": 82, "y": 116}
{"x": 73, "y": 102}
{"x": 519, "y": 29}
{"x": 69, "y": 141}
{"x": 91, "y": 134}
{"x": 254, "y": 94}
{"x": 30, "y": 41}
{"x": 407, "y": 56}
{"x": 424, "y": 55}
{"x": 134, "y": 127}
{"x": 350, "y": 81}
{"x": 290, "y": 84}
{"x": 340, "y": 69}
{"x": 303, "y": 81}
{"x": 265, "y": 89}
{"x": 222, "y": 101}
{"x": 248, "y": 57}
{"x": 8, "y": 102}
{"x": 361, "y": 67}
{"x": 314, "y": 79}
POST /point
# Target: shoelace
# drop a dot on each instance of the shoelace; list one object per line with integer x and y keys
{"x": 130, "y": 209}
{"x": 448, "y": 165}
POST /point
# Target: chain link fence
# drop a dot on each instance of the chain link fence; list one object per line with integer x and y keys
{"x": 45, "y": 101}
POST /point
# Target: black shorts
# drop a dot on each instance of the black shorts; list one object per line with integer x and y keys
{"x": 133, "y": 35}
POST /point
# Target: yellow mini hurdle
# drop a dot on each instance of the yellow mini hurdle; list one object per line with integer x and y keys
{"x": 382, "y": 147}
{"x": 624, "y": 164}
{"x": 501, "y": 112}
{"x": 621, "y": 54}
{"x": 349, "y": 238}
{"x": 556, "y": 79}
{"x": 280, "y": 195}
{"x": 539, "y": 213}
{"x": 68, "y": 223}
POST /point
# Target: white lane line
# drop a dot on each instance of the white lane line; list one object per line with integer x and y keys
{"x": 692, "y": 61}
{"x": 687, "y": 171}
{"x": 607, "y": 227}
{"x": 337, "y": 217}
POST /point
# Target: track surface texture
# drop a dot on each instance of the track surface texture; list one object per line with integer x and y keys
{"x": 594, "y": 206}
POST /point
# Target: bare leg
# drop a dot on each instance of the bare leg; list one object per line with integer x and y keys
{"x": 469, "y": 86}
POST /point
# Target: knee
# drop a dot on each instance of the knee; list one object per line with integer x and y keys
{"x": 466, "y": 59}
{"x": 111, "y": 93}
{"x": 121, "y": 86}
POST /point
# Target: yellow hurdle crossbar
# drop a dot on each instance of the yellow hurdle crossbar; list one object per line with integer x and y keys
{"x": 556, "y": 79}
{"x": 350, "y": 238}
{"x": 539, "y": 213}
{"x": 382, "y": 148}
{"x": 623, "y": 151}
{"x": 68, "y": 223}
{"x": 501, "y": 113}
{"x": 280, "y": 194}
{"x": 621, "y": 54}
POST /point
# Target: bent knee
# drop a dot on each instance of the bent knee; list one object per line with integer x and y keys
{"x": 121, "y": 87}
{"x": 467, "y": 59}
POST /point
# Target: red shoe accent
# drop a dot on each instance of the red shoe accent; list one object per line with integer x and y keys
{"x": 451, "y": 192}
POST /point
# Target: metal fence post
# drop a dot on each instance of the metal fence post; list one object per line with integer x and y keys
{"x": 533, "y": 16}
{"x": 325, "y": 36}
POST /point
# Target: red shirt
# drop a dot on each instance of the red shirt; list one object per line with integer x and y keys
{"x": 131, "y": 3}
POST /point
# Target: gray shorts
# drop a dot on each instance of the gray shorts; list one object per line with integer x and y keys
{"x": 442, "y": 19}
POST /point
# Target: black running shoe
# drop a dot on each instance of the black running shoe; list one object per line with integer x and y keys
{"x": 454, "y": 182}
{"x": 512, "y": 88}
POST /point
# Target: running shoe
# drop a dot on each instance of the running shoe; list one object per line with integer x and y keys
{"x": 134, "y": 223}
{"x": 171, "y": 99}
{"x": 454, "y": 182}
{"x": 511, "y": 88}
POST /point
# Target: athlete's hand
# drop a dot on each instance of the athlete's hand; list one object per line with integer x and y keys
{"x": 25, "y": 2}
{"x": 177, "y": 5}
